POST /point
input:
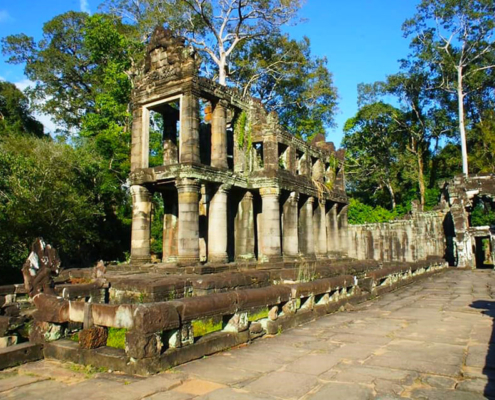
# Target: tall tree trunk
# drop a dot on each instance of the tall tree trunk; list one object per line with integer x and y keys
{"x": 222, "y": 72}
{"x": 462, "y": 128}
{"x": 434, "y": 164}
{"x": 421, "y": 180}
{"x": 392, "y": 194}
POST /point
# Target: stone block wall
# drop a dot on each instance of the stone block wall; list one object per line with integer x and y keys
{"x": 408, "y": 240}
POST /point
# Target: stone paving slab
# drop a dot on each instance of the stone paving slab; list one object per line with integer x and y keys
{"x": 431, "y": 340}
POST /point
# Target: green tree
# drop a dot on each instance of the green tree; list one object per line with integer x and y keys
{"x": 289, "y": 80}
{"x": 215, "y": 27}
{"x": 52, "y": 190}
{"x": 15, "y": 115}
{"x": 455, "y": 39}
{"x": 372, "y": 140}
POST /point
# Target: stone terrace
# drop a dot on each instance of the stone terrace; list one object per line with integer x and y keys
{"x": 431, "y": 340}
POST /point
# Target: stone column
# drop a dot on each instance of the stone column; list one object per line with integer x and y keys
{"x": 188, "y": 235}
{"x": 141, "y": 224}
{"x": 320, "y": 230}
{"x": 343, "y": 230}
{"x": 306, "y": 238}
{"x": 244, "y": 229}
{"x": 270, "y": 225}
{"x": 217, "y": 226}
{"x": 270, "y": 153}
{"x": 170, "y": 150}
{"x": 140, "y": 138}
{"x": 290, "y": 235}
{"x": 189, "y": 128}
{"x": 170, "y": 227}
{"x": 219, "y": 136}
{"x": 332, "y": 230}
{"x": 291, "y": 160}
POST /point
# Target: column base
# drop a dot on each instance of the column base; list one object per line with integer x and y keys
{"x": 322, "y": 256}
{"x": 218, "y": 259}
{"x": 187, "y": 260}
{"x": 140, "y": 259}
{"x": 308, "y": 257}
{"x": 170, "y": 260}
{"x": 245, "y": 258}
{"x": 270, "y": 259}
{"x": 291, "y": 257}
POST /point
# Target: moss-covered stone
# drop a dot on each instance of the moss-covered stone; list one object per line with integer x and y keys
{"x": 258, "y": 314}
{"x": 202, "y": 327}
{"x": 116, "y": 338}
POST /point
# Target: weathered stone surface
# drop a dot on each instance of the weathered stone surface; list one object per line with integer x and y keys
{"x": 19, "y": 354}
{"x": 140, "y": 345}
{"x": 205, "y": 306}
{"x": 42, "y": 332}
{"x": 93, "y": 337}
{"x": 51, "y": 308}
{"x": 155, "y": 317}
{"x": 40, "y": 267}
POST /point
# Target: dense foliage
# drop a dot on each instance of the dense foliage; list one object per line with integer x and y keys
{"x": 412, "y": 130}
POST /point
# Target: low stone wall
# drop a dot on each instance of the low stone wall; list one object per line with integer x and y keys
{"x": 406, "y": 240}
{"x": 163, "y": 334}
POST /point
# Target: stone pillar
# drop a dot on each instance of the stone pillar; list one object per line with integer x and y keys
{"x": 320, "y": 230}
{"x": 217, "y": 226}
{"x": 332, "y": 230}
{"x": 291, "y": 160}
{"x": 170, "y": 227}
{"x": 290, "y": 223}
{"x": 244, "y": 229}
{"x": 270, "y": 225}
{"x": 140, "y": 138}
{"x": 219, "y": 136}
{"x": 270, "y": 153}
{"x": 141, "y": 224}
{"x": 189, "y": 128}
{"x": 306, "y": 238}
{"x": 170, "y": 149}
{"x": 188, "y": 235}
{"x": 343, "y": 230}
{"x": 305, "y": 165}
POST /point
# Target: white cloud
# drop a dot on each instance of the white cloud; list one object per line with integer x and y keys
{"x": 5, "y": 16}
{"x": 45, "y": 119}
{"x": 85, "y": 6}
{"x": 24, "y": 84}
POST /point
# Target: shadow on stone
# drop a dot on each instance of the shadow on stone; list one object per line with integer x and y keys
{"x": 488, "y": 308}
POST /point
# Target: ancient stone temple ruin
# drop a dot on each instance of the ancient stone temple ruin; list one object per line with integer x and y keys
{"x": 255, "y": 235}
{"x": 235, "y": 186}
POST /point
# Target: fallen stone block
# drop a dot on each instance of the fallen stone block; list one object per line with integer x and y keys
{"x": 93, "y": 337}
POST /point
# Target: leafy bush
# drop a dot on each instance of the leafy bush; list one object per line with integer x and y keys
{"x": 482, "y": 216}
{"x": 360, "y": 213}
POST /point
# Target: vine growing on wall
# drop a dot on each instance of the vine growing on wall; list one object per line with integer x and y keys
{"x": 243, "y": 129}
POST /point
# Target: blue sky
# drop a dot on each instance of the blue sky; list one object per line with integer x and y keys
{"x": 361, "y": 39}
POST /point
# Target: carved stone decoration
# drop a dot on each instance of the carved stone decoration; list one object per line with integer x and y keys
{"x": 168, "y": 57}
{"x": 40, "y": 267}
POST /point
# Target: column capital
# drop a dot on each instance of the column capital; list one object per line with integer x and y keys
{"x": 141, "y": 191}
{"x": 224, "y": 188}
{"x": 248, "y": 195}
{"x": 187, "y": 185}
{"x": 269, "y": 192}
{"x": 311, "y": 200}
{"x": 294, "y": 197}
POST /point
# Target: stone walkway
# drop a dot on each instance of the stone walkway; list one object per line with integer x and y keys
{"x": 431, "y": 340}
